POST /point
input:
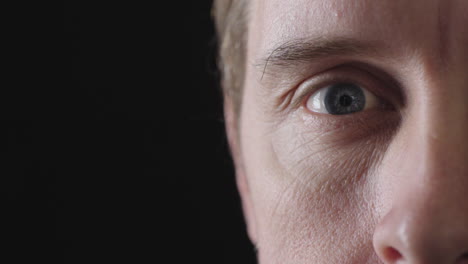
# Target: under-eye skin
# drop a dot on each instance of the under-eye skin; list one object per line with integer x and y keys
{"x": 341, "y": 98}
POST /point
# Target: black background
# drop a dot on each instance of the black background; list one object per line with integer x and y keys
{"x": 116, "y": 153}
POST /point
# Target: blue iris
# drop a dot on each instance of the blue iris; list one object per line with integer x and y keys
{"x": 344, "y": 98}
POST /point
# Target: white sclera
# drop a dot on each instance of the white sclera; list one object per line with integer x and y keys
{"x": 316, "y": 102}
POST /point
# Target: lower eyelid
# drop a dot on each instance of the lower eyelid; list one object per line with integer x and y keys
{"x": 352, "y": 127}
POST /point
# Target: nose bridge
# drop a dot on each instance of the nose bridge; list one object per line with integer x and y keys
{"x": 427, "y": 221}
{"x": 441, "y": 134}
{"x": 436, "y": 170}
{"x": 436, "y": 166}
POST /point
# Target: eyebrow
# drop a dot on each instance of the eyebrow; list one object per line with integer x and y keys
{"x": 298, "y": 51}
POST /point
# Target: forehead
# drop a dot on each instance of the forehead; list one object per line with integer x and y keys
{"x": 401, "y": 21}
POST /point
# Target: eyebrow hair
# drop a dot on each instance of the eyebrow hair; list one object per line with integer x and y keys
{"x": 303, "y": 50}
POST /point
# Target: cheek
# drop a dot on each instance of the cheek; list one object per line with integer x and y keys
{"x": 321, "y": 153}
{"x": 315, "y": 193}
{"x": 309, "y": 218}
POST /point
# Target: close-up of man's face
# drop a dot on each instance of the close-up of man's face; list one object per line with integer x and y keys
{"x": 350, "y": 138}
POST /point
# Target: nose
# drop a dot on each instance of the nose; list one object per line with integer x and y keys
{"x": 416, "y": 232}
{"x": 424, "y": 218}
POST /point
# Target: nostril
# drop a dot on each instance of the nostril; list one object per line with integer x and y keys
{"x": 392, "y": 255}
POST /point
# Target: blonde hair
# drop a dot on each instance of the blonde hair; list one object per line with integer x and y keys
{"x": 230, "y": 17}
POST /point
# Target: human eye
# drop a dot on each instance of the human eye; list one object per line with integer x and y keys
{"x": 341, "y": 98}
{"x": 349, "y": 90}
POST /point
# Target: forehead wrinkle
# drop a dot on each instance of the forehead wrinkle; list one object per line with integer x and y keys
{"x": 364, "y": 19}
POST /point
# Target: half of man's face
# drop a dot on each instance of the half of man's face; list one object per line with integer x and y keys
{"x": 353, "y": 131}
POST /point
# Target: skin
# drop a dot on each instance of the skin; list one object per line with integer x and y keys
{"x": 385, "y": 185}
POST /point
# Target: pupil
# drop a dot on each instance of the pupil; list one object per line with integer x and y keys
{"x": 346, "y": 100}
